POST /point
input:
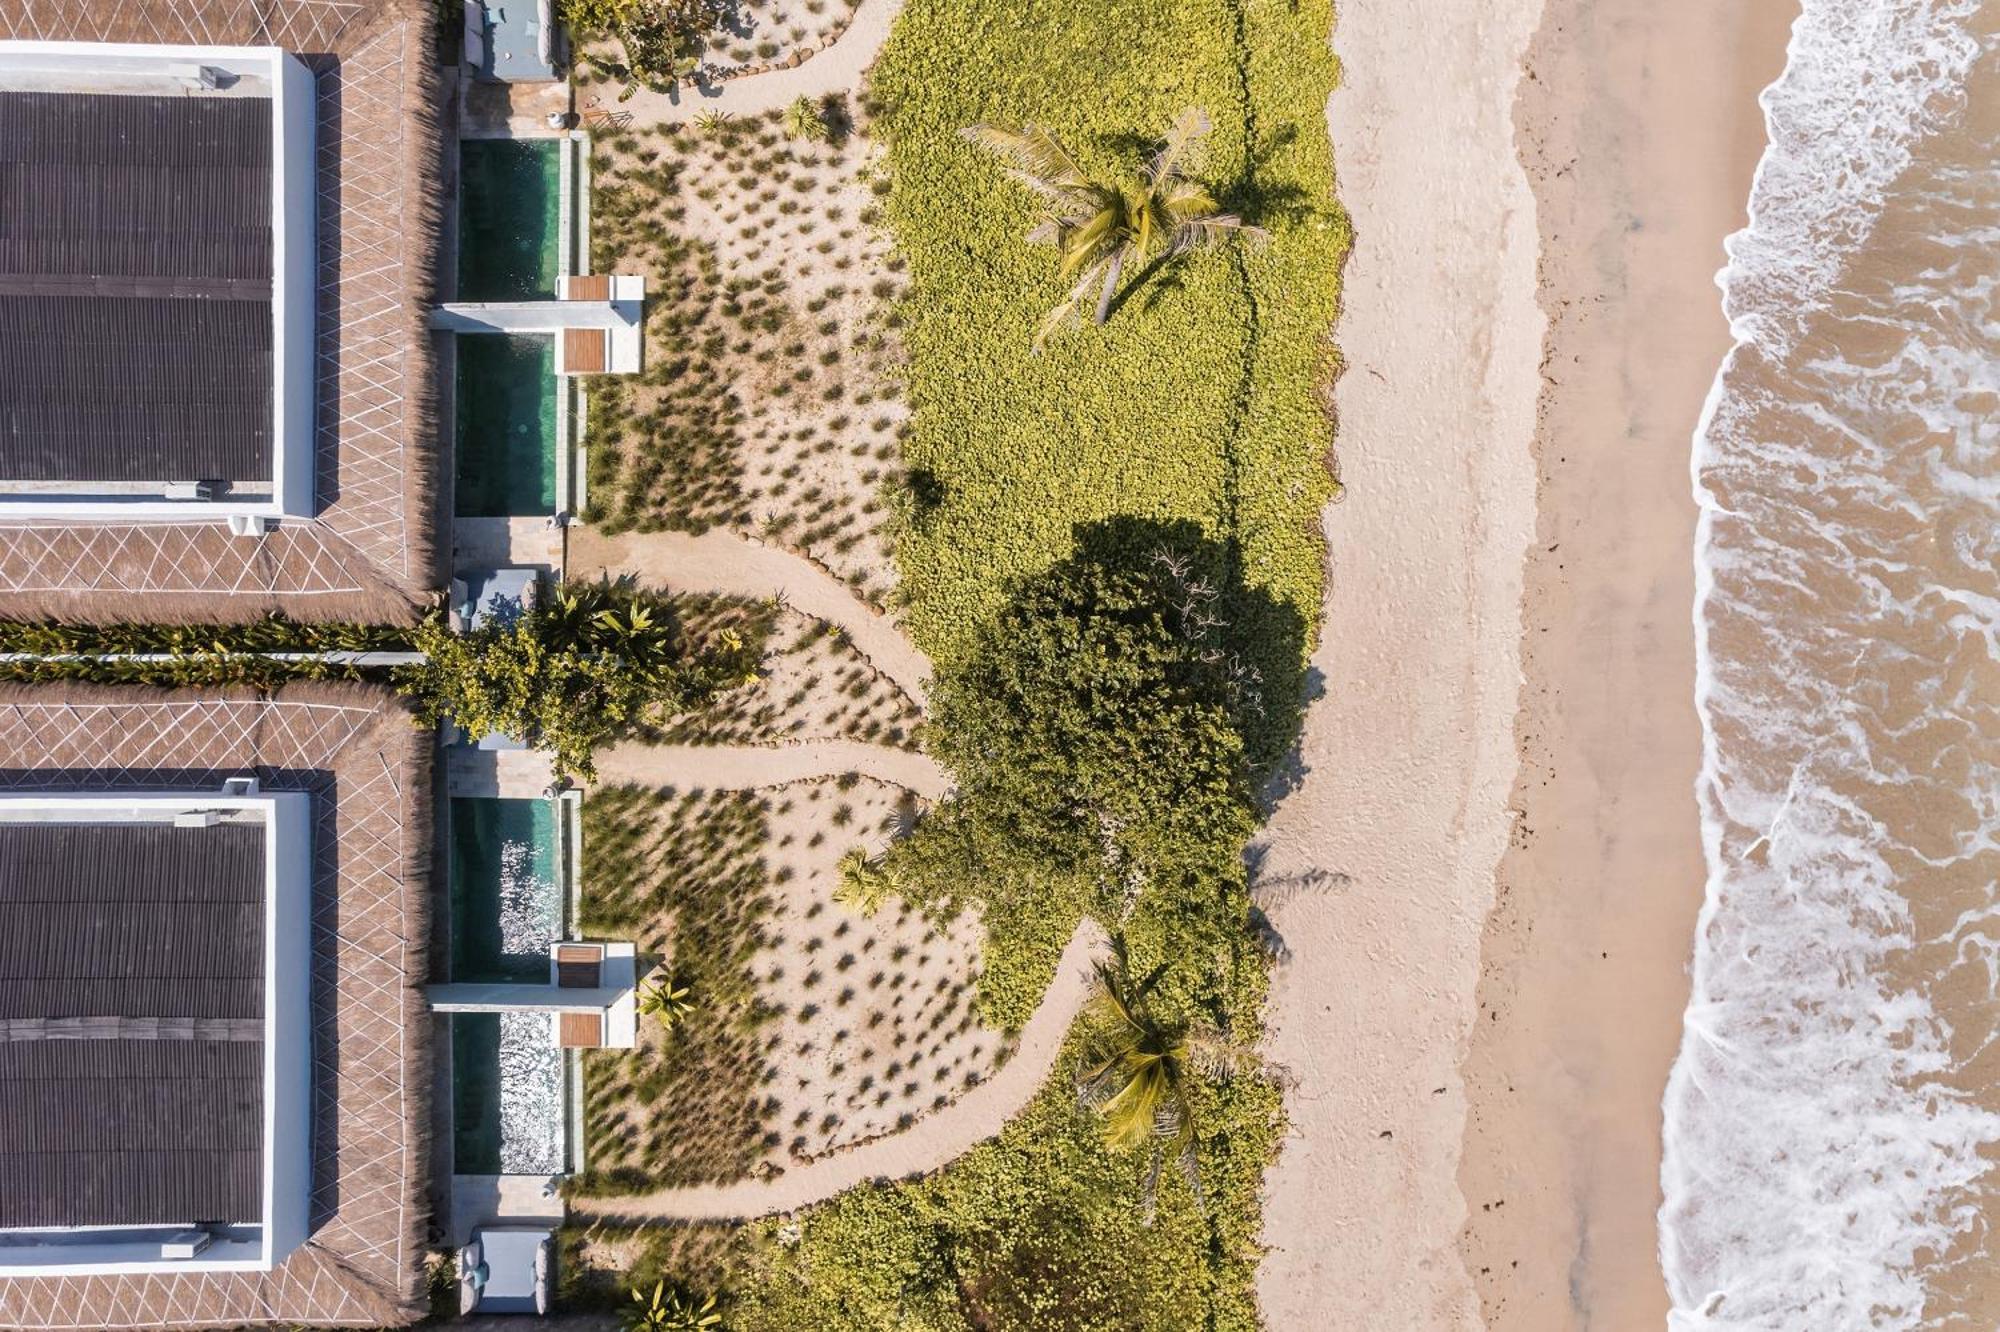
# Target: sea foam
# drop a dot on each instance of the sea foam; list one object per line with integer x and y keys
{"x": 1825, "y": 1121}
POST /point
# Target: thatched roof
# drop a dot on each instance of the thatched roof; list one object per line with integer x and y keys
{"x": 372, "y": 551}
{"x": 355, "y": 751}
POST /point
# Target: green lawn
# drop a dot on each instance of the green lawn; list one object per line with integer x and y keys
{"x": 1219, "y": 363}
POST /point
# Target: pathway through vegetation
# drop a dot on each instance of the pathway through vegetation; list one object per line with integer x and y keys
{"x": 747, "y": 767}
{"x": 724, "y": 564}
{"x": 932, "y": 1142}
{"x": 837, "y": 69}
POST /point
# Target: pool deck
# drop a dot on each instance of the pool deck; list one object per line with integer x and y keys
{"x": 506, "y": 774}
{"x": 484, "y": 1200}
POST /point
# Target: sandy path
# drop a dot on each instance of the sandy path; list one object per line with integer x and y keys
{"x": 746, "y": 767}
{"x": 1640, "y": 133}
{"x": 933, "y": 1141}
{"x": 839, "y": 68}
{"x": 725, "y": 564}
{"x": 1409, "y": 756}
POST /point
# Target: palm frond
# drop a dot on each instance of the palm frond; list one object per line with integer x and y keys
{"x": 1209, "y": 232}
{"x": 1055, "y": 318}
{"x": 1034, "y": 156}
{"x": 1089, "y": 241}
{"x": 1217, "y": 1058}
{"x": 1189, "y": 130}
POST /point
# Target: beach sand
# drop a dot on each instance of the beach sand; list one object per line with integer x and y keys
{"x": 1408, "y": 755}
{"x": 1640, "y": 130}
{"x": 1481, "y": 1011}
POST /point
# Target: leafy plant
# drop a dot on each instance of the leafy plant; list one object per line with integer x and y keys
{"x": 803, "y": 120}
{"x": 1104, "y": 224}
{"x": 670, "y": 1311}
{"x": 665, "y": 1000}
{"x": 1138, "y": 1068}
{"x": 864, "y": 886}
{"x": 663, "y": 39}
{"x": 263, "y": 653}
{"x": 585, "y": 665}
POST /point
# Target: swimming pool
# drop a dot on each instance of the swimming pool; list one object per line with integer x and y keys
{"x": 507, "y": 891}
{"x": 509, "y": 219}
{"x": 505, "y": 439}
{"x": 509, "y": 1095}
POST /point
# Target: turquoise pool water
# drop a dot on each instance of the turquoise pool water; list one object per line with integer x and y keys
{"x": 505, "y": 441}
{"x": 506, "y": 888}
{"x": 509, "y": 219}
{"x": 507, "y": 898}
{"x": 508, "y": 1095}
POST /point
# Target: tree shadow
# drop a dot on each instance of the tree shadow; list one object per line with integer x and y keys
{"x": 1265, "y": 203}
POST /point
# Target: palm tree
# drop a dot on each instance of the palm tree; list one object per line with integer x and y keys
{"x": 665, "y": 999}
{"x": 1103, "y": 225}
{"x": 670, "y": 1311}
{"x": 1138, "y": 1071}
{"x": 864, "y": 885}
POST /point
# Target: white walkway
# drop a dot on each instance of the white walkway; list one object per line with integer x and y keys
{"x": 747, "y": 767}
{"x": 725, "y": 564}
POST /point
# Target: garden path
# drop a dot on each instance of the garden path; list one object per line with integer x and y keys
{"x": 746, "y": 767}
{"x": 837, "y": 69}
{"x": 725, "y": 564}
{"x": 931, "y": 1143}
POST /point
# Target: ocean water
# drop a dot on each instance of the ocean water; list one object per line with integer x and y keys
{"x": 1833, "y": 1120}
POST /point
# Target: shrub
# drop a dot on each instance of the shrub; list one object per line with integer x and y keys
{"x": 663, "y": 39}
{"x": 804, "y": 121}
{"x": 583, "y": 667}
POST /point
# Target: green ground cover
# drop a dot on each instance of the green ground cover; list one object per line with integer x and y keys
{"x": 1200, "y": 399}
{"x": 683, "y": 875}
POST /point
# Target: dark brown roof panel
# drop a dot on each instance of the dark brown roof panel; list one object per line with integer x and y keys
{"x": 136, "y": 255}
{"x": 137, "y": 1123}
{"x": 130, "y": 1132}
{"x": 135, "y": 186}
{"x": 131, "y": 920}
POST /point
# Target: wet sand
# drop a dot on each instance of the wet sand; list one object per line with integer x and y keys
{"x": 1485, "y": 993}
{"x": 1640, "y": 130}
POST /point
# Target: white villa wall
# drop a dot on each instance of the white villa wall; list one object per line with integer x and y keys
{"x": 288, "y": 1025}
{"x": 295, "y": 282}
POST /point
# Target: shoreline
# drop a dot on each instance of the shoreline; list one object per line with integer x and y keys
{"x": 1640, "y": 129}
{"x": 1406, "y": 758}
{"x": 1485, "y": 995}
